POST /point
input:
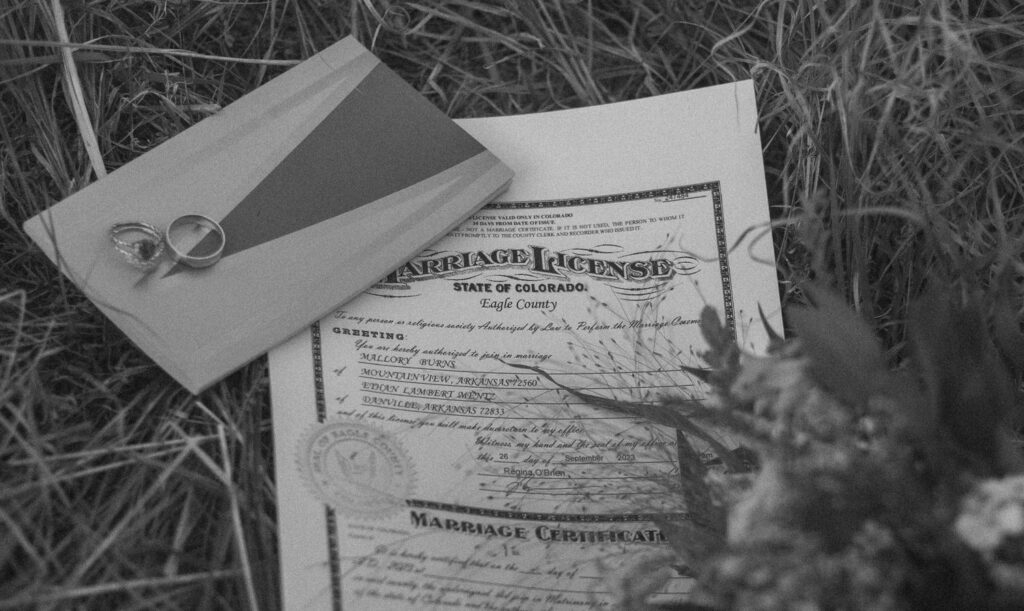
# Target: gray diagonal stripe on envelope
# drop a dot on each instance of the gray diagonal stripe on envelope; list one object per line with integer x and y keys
{"x": 380, "y": 139}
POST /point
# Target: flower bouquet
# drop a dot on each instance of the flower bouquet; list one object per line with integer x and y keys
{"x": 852, "y": 485}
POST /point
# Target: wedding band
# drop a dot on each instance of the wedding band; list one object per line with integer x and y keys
{"x": 196, "y": 221}
{"x": 144, "y": 251}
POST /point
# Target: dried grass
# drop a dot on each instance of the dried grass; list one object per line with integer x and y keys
{"x": 892, "y": 134}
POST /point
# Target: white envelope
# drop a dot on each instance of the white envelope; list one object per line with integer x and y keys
{"x": 324, "y": 180}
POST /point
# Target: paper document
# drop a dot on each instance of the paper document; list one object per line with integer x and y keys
{"x": 418, "y": 468}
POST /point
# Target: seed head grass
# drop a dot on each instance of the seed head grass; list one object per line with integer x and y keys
{"x": 892, "y": 134}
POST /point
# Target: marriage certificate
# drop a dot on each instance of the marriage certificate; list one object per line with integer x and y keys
{"x": 421, "y": 466}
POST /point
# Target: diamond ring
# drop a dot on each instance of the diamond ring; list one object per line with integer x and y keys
{"x": 141, "y": 244}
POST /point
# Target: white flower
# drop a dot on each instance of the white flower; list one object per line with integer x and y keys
{"x": 990, "y": 513}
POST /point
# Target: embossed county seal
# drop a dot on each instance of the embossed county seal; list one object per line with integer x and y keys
{"x": 356, "y": 468}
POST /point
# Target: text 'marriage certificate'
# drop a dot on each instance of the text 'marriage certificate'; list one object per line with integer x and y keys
{"x": 418, "y": 467}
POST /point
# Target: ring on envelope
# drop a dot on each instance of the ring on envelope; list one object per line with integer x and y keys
{"x": 178, "y": 231}
{"x": 141, "y": 244}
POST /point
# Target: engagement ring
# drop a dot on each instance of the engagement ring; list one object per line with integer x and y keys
{"x": 141, "y": 244}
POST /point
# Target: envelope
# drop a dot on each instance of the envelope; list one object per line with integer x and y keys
{"x": 324, "y": 180}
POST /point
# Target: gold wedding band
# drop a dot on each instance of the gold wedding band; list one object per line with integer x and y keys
{"x": 181, "y": 225}
{"x": 141, "y": 244}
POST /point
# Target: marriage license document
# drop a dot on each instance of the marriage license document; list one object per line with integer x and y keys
{"x": 418, "y": 467}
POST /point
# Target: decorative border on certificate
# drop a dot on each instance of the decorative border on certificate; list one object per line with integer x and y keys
{"x": 669, "y": 192}
{"x": 680, "y": 193}
{"x": 533, "y": 516}
{"x": 330, "y": 516}
{"x": 318, "y": 372}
